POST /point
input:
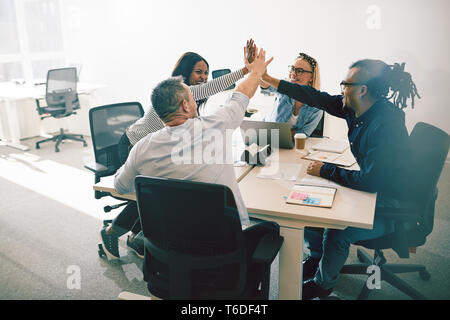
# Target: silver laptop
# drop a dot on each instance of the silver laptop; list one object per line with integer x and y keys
{"x": 277, "y": 134}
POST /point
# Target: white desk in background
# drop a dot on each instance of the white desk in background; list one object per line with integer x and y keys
{"x": 266, "y": 199}
{"x": 10, "y": 93}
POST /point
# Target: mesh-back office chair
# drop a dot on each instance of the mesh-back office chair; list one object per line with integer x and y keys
{"x": 107, "y": 124}
{"x": 194, "y": 244}
{"x": 430, "y": 148}
{"x": 62, "y": 101}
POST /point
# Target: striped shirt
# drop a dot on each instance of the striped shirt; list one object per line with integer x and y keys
{"x": 151, "y": 122}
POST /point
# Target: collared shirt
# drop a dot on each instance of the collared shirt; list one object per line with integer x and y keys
{"x": 151, "y": 122}
{"x": 195, "y": 150}
{"x": 283, "y": 111}
{"x": 378, "y": 140}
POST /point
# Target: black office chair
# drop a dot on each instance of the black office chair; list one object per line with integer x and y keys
{"x": 220, "y": 72}
{"x": 318, "y": 131}
{"x": 62, "y": 101}
{"x": 414, "y": 220}
{"x": 194, "y": 244}
{"x": 107, "y": 124}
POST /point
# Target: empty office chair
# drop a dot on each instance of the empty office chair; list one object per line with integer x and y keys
{"x": 62, "y": 101}
{"x": 194, "y": 245}
{"x": 414, "y": 220}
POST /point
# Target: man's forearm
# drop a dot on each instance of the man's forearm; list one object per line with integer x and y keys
{"x": 249, "y": 85}
{"x": 274, "y": 82}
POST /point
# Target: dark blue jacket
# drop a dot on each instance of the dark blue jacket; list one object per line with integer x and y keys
{"x": 378, "y": 140}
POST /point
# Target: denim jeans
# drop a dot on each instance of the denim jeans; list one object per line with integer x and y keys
{"x": 332, "y": 247}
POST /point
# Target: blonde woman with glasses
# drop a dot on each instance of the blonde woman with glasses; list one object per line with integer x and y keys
{"x": 303, "y": 118}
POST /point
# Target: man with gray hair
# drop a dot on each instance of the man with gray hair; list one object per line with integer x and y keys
{"x": 185, "y": 132}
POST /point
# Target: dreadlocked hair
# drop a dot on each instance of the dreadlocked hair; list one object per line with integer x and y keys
{"x": 381, "y": 78}
{"x": 402, "y": 86}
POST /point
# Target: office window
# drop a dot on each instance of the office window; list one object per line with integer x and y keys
{"x": 31, "y": 38}
{"x": 9, "y": 41}
{"x": 11, "y": 70}
{"x": 43, "y": 25}
{"x": 40, "y": 67}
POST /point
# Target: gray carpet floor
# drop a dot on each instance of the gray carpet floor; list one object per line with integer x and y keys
{"x": 50, "y": 223}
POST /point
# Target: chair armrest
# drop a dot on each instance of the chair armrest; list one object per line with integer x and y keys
{"x": 99, "y": 169}
{"x": 408, "y": 210}
{"x": 267, "y": 249}
{"x": 411, "y": 213}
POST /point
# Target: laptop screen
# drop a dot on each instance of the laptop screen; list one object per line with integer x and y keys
{"x": 277, "y": 134}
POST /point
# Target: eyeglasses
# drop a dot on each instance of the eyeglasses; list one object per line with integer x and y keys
{"x": 344, "y": 84}
{"x": 298, "y": 70}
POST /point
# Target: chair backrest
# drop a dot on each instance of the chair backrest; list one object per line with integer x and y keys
{"x": 220, "y": 72}
{"x": 429, "y": 146}
{"x": 107, "y": 124}
{"x": 62, "y": 83}
{"x": 429, "y": 151}
{"x": 318, "y": 131}
{"x": 193, "y": 239}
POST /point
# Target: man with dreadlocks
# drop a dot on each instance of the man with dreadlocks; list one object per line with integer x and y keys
{"x": 379, "y": 142}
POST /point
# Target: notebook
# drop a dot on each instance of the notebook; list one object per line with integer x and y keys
{"x": 316, "y": 196}
{"x": 345, "y": 159}
{"x": 330, "y": 145}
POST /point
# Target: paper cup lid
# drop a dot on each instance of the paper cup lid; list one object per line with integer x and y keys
{"x": 299, "y": 135}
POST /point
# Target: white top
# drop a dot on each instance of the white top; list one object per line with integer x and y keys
{"x": 186, "y": 152}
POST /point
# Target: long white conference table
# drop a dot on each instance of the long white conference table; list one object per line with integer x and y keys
{"x": 11, "y": 92}
{"x": 265, "y": 198}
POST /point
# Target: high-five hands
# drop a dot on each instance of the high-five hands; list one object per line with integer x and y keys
{"x": 251, "y": 50}
{"x": 259, "y": 64}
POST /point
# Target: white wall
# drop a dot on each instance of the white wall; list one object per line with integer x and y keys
{"x": 131, "y": 45}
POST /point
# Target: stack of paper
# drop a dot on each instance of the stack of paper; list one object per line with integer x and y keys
{"x": 330, "y": 145}
{"x": 345, "y": 159}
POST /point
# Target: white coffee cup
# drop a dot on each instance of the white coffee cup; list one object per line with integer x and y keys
{"x": 300, "y": 140}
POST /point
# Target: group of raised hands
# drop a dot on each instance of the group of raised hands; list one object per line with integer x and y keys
{"x": 255, "y": 61}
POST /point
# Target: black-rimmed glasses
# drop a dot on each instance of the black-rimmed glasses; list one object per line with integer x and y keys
{"x": 344, "y": 84}
{"x": 298, "y": 70}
